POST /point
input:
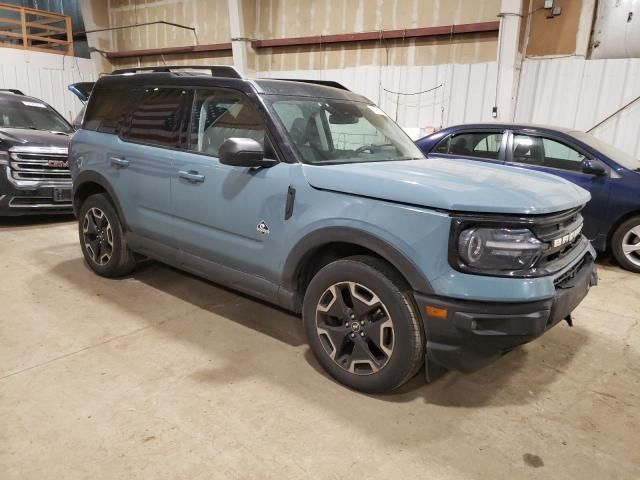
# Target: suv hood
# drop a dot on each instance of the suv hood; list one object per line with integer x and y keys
{"x": 457, "y": 185}
{"x": 33, "y": 138}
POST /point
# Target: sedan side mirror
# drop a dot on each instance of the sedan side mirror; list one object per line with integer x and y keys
{"x": 594, "y": 167}
{"x": 243, "y": 152}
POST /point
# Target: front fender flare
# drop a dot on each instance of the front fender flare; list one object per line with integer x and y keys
{"x": 327, "y": 235}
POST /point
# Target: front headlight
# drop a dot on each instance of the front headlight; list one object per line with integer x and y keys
{"x": 500, "y": 250}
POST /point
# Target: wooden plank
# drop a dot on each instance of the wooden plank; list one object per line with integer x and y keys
{"x": 46, "y": 27}
{"x": 7, "y": 33}
{"x": 69, "y": 26}
{"x": 11, "y": 21}
{"x": 30, "y": 11}
{"x": 47, "y": 39}
{"x": 23, "y": 19}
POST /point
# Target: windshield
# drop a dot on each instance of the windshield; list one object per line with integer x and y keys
{"x": 33, "y": 115}
{"x": 615, "y": 154}
{"x": 328, "y": 131}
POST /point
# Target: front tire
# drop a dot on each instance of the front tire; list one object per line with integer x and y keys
{"x": 625, "y": 244}
{"x": 102, "y": 238}
{"x": 362, "y": 326}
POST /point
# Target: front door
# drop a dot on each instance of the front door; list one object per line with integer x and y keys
{"x": 232, "y": 216}
{"x": 555, "y": 156}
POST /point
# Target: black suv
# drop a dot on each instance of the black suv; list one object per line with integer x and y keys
{"x": 34, "y": 168}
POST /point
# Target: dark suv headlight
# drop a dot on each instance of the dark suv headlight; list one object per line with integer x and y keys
{"x": 515, "y": 246}
{"x": 499, "y": 249}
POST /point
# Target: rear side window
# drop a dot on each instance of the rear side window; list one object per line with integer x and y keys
{"x": 107, "y": 110}
{"x": 159, "y": 118}
{"x": 476, "y": 144}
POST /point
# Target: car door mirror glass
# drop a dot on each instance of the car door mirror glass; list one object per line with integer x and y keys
{"x": 243, "y": 152}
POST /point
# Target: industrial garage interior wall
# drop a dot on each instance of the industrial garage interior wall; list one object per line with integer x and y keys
{"x": 578, "y": 93}
{"x": 451, "y": 93}
{"x": 46, "y": 76}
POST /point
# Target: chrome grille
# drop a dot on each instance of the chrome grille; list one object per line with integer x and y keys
{"x": 37, "y": 166}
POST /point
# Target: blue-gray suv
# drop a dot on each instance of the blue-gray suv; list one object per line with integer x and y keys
{"x": 308, "y": 196}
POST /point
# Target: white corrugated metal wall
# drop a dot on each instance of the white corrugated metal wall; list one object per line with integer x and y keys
{"x": 46, "y": 76}
{"x": 567, "y": 92}
{"x": 579, "y": 93}
{"x": 453, "y": 93}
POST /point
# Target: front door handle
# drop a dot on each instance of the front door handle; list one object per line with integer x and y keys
{"x": 119, "y": 162}
{"x": 191, "y": 176}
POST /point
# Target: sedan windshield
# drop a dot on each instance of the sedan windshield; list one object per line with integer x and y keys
{"x": 615, "y": 154}
{"x": 32, "y": 115}
{"x": 328, "y": 131}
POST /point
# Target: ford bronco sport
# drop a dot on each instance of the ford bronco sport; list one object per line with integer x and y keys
{"x": 34, "y": 168}
{"x": 308, "y": 196}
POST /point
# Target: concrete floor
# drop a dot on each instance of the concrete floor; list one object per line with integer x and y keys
{"x": 163, "y": 375}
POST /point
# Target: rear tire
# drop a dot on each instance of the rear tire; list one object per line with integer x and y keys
{"x": 625, "y": 244}
{"x": 361, "y": 324}
{"x": 102, "y": 238}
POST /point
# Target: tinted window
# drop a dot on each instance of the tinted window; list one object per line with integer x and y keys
{"x": 476, "y": 144}
{"x": 443, "y": 146}
{"x": 220, "y": 114}
{"x": 107, "y": 110}
{"x": 545, "y": 152}
{"x": 159, "y": 117}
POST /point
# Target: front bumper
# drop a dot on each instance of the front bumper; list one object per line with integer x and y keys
{"x": 32, "y": 201}
{"x": 473, "y": 334}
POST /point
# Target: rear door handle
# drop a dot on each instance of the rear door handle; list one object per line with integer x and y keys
{"x": 191, "y": 176}
{"x": 119, "y": 162}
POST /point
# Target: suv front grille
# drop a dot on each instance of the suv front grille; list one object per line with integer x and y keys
{"x": 35, "y": 166}
{"x": 562, "y": 232}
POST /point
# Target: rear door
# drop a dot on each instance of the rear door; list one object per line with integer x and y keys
{"x": 144, "y": 155}
{"x": 559, "y": 156}
{"x": 487, "y": 145}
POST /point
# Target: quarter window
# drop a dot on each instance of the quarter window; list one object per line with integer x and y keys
{"x": 220, "y": 114}
{"x": 159, "y": 117}
{"x": 107, "y": 110}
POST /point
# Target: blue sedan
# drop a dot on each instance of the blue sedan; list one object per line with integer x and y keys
{"x": 612, "y": 217}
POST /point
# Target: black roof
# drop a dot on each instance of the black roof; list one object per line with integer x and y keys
{"x": 224, "y": 76}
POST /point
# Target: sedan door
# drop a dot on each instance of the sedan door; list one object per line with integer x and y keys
{"x": 560, "y": 157}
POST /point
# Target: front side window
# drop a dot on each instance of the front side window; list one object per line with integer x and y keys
{"x": 476, "y": 144}
{"x": 159, "y": 117}
{"x": 220, "y": 114}
{"x": 558, "y": 155}
{"x": 337, "y": 131}
{"x": 33, "y": 115}
{"x": 546, "y": 152}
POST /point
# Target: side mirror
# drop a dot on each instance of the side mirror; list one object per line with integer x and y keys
{"x": 594, "y": 167}
{"x": 243, "y": 152}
